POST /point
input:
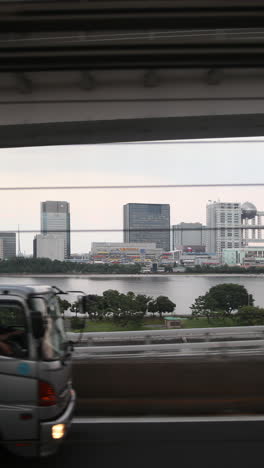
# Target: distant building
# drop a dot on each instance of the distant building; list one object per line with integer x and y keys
{"x": 120, "y": 252}
{"x": 224, "y": 221}
{"x": 147, "y": 222}
{"x": 189, "y": 236}
{"x": 80, "y": 258}
{"x": 169, "y": 258}
{"x": 245, "y": 256}
{"x": 55, "y": 219}
{"x": 49, "y": 246}
{"x": 8, "y": 244}
{"x": 201, "y": 259}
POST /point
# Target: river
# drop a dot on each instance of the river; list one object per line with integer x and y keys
{"x": 182, "y": 289}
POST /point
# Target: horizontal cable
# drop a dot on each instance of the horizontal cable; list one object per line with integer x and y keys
{"x": 205, "y": 228}
{"x": 123, "y": 187}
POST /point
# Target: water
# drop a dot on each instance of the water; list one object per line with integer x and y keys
{"x": 182, "y": 290}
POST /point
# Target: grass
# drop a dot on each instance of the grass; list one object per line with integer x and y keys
{"x": 154, "y": 323}
{"x": 203, "y": 323}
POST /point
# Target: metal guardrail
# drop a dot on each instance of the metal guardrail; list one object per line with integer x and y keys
{"x": 172, "y": 350}
{"x": 182, "y": 335}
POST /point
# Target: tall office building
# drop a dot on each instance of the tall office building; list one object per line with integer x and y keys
{"x": 8, "y": 240}
{"x": 55, "y": 219}
{"x": 189, "y": 235}
{"x": 147, "y": 222}
{"x": 224, "y": 226}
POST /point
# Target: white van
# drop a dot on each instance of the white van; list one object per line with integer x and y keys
{"x": 36, "y": 396}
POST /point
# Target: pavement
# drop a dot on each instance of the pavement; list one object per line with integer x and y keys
{"x": 226, "y": 441}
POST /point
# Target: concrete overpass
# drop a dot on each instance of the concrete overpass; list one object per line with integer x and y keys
{"x": 86, "y": 72}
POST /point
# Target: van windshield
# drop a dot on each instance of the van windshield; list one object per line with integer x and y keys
{"x": 54, "y": 340}
{"x": 13, "y": 330}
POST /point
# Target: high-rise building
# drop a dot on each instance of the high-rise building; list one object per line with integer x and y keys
{"x": 49, "y": 246}
{"x": 9, "y": 244}
{"x": 55, "y": 219}
{"x": 189, "y": 235}
{"x": 224, "y": 222}
{"x": 147, "y": 222}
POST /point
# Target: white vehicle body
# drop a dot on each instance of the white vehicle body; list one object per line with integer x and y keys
{"x": 36, "y": 396}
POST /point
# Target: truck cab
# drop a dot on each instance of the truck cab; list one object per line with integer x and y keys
{"x": 36, "y": 396}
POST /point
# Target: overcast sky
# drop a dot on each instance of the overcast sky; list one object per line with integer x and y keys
{"x": 123, "y": 164}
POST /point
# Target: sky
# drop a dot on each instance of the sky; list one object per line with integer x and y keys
{"x": 125, "y": 164}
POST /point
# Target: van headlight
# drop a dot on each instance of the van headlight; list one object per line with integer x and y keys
{"x": 58, "y": 431}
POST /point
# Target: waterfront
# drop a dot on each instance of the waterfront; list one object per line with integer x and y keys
{"x": 181, "y": 289}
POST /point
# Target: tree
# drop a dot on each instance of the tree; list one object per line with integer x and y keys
{"x": 153, "y": 307}
{"x": 249, "y": 315}
{"x": 64, "y": 305}
{"x": 142, "y": 302}
{"x": 229, "y": 297}
{"x": 164, "y": 305}
{"x": 204, "y": 306}
{"x": 125, "y": 308}
{"x": 94, "y": 306}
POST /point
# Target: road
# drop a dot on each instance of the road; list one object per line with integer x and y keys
{"x": 160, "y": 442}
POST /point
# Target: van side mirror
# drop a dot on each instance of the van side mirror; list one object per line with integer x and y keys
{"x": 38, "y": 327}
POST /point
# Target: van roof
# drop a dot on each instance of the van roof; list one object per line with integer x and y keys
{"x": 25, "y": 290}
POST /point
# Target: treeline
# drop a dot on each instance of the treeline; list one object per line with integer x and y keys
{"x": 228, "y": 301}
{"x": 44, "y": 265}
{"x": 225, "y": 269}
{"x": 118, "y": 307}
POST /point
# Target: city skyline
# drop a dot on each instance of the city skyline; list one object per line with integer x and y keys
{"x": 194, "y": 227}
{"x": 122, "y": 165}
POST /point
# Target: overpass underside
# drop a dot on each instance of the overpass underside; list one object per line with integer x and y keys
{"x": 111, "y": 71}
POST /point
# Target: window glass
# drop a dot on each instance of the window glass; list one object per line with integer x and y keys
{"x": 54, "y": 340}
{"x": 13, "y": 331}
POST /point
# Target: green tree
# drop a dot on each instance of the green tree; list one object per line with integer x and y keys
{"x": 229, "y": 297}
{"x": 125, "y": 308}
{"x": 204, "y": 306}
{"x": 94, "y": 306}
{"x": 64, "y": 305}
{"x": 164, "y": 305}
{"x": 142, "y": 302}
{"x": 153, "y": 307}
{"x": 249, "y": 315}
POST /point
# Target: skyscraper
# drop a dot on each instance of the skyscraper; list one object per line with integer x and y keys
{"x": 55, "y": 219}
{"x": 147, "y": 222}
{"x": 224, "y": 222}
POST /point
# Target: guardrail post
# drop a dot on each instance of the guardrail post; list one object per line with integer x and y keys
{"x": 89, "y": 341}
{"x": 207, "y": 337}
{"x": 147, "y": 339}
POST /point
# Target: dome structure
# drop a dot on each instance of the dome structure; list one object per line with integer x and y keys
{"x": 249, "y": 210}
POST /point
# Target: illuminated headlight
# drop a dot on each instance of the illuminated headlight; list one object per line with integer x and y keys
{"x": 58, "y": 431}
